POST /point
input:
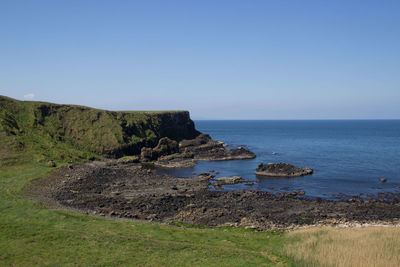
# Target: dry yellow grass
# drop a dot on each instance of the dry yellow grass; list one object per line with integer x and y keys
{"x": 328, "y": 246}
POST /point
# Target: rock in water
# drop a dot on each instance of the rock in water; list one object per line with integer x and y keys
{"x": 281, "y": 170}
{"x": 383, "y": 180}
{"x": 205, "y": 148}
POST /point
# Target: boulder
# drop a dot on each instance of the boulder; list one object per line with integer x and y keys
{"x": 281, "y": 170}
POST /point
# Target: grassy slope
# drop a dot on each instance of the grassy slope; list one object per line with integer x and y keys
{"x": 31, "y": 235}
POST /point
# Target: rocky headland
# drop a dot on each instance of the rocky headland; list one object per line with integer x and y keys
{"x": 171, "y": 154}
{"x": 62, "y": 133}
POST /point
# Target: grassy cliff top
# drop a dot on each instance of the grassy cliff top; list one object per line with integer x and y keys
{"x": 68, "y": 132}
{"x": 41, "y": 103}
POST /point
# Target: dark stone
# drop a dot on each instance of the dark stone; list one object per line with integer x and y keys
{"x": 164, "y": 147}
{"x": 281, "y": 170}
{"x": 199, "y": 140}
{"x": 168, "y": 154}
{"x": 147, "y": 154}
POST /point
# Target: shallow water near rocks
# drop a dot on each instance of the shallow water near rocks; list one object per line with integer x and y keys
{"x": 349, "y": 157}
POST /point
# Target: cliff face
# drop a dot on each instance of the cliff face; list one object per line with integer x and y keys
{"x": 82, "y": 130}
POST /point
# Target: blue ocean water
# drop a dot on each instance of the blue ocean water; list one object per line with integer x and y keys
{"x": 348, "y": 156}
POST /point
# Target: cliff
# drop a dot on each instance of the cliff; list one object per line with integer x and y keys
{"x": 67, "y": 131}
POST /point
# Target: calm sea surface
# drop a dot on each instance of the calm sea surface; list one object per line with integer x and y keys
{"x": 348, "y": 157}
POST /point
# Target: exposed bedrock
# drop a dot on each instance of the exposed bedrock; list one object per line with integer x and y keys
{"x": 169, "y": 154}
{"x": 205, "y": 148}
{"x": 130, "y": 191}
{"x": 164, "y": 147}
{"x": 281, "y": 170}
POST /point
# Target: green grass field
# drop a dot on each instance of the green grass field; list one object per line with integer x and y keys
{"x": 31, "y": 235}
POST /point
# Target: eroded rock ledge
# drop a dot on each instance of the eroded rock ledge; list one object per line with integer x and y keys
{"x": 281, "y": 170}
{"x": 171, "y": 154}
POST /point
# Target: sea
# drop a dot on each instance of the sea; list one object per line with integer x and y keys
{"x": 348, "y": 156}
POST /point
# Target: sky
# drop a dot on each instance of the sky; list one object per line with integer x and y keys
{"x": 219, "y": 59}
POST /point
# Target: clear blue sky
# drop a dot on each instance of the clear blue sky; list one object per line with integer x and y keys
{"x": 219, "y": 59}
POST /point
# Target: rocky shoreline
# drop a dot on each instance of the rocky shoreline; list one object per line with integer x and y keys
{"x": 130, "y": 190}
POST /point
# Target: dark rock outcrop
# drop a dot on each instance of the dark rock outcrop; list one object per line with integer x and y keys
{"x": 199, "y": 140}
{"x": 205, "y": 148}
{"x": 168, "y": 154}
{"x": 281, "y": 170}
{"x": 164, "y": 147}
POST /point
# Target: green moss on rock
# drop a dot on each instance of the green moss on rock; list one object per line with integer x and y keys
{"x": 67, "y": 132}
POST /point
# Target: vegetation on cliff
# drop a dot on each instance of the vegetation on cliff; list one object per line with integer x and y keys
{"x": 69, "y": 132}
